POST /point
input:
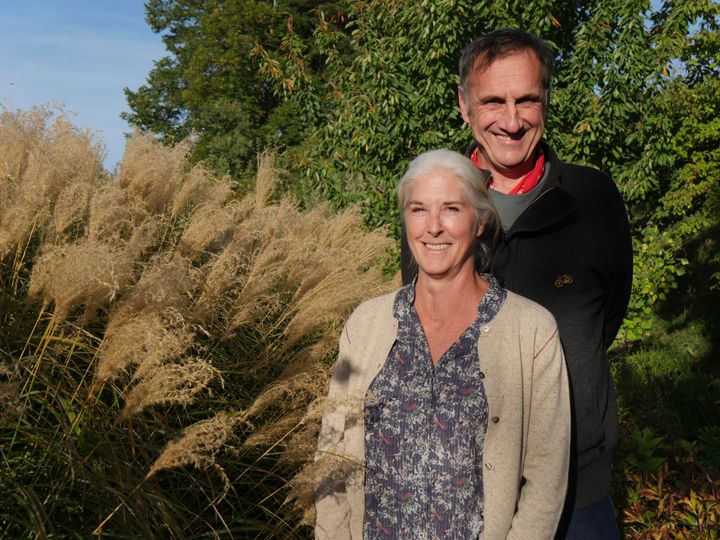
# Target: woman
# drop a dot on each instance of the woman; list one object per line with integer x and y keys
{"x": 452, "y": 410}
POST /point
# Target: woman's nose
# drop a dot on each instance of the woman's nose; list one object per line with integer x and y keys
{"x": 434, "y": 225}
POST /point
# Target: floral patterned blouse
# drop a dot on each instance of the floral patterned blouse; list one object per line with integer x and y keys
{"x": 425, "y": 431}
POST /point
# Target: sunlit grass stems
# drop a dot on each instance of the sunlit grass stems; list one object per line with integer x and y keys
{"x": 162, "y": 338}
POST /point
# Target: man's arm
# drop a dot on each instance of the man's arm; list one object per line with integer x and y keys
{"x": 618, "y": 290}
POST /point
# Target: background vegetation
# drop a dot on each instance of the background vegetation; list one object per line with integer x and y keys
{"x": 167, "y": 328}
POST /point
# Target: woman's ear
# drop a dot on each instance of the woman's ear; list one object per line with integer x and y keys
{"x": 480, "y": 229}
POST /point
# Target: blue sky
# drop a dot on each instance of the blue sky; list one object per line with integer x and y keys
{"x": 80, "y": 53}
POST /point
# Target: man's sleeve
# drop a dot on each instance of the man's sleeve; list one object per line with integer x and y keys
{"x": 618, "y": 290}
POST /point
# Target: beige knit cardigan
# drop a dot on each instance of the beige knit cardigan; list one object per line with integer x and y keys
{"x": 527, "y": 443}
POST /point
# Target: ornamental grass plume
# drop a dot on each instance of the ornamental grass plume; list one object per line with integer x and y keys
{"x": 88, "y": 274}
{"x": 173, "y": 382}
{"x": 199, "y": 444}
{"x": 145, "y": 341}
{"x": 42, "y": 158}
{"x": 151, "y": 172}
{"x": 165, "y": 342}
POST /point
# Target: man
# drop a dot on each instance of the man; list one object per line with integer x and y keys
{"x": 565, "y": 244}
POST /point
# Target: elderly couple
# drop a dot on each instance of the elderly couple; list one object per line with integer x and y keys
{"x": 478, "y": 399}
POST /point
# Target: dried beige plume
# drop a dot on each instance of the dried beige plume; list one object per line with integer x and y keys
{"x": 210, "y": 228}
{"x": 40, "y": 163}
{"x": 21, "y": 219}
{"x": 198, "y": 445}
{"x": 113, "y": 213}
{"x": 176, "y": 383}
{"x": 152, "y": 171}
{"x": 71, "y": 207}
{"x": 166, "y": 284}
{"x": 148, "y": 341}
{"x": 88, "y": 273}
{"x": 265, "y": 179}
{"x": 67, "y": 156}
{"x": 21, "y": 132}
{"x": 199, "y": 188}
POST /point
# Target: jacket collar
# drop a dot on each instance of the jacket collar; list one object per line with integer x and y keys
{"x": 553, "y": 205}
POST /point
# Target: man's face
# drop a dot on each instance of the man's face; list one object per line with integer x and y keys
{"x": 504, "y": 109}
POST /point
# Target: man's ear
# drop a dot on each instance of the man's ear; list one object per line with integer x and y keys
{"x": 464, "y": 109}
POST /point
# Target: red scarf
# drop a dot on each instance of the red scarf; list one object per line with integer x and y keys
{"x": 527, "y": 182}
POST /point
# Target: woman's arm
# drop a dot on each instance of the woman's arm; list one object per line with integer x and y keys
{"x": 332, "y": 509}
{"x": 545, "y": 468}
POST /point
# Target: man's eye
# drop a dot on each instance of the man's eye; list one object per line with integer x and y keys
{"x": 528, "y": 103}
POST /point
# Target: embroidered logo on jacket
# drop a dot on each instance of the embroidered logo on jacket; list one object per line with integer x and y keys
{"x": 563, "y": 280}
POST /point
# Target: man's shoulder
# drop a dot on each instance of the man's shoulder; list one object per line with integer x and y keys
{"x": 573, "y": 174}
{"x": 585, "y": 183}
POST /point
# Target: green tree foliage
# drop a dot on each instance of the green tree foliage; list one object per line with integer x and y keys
{"x": 209, "y": 87}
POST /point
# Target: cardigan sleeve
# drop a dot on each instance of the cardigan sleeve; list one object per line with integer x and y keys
{"x": 546, "y": 461}
{"x": 331, "y": 504}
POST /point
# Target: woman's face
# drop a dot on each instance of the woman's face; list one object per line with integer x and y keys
{"x": 441, "y": 226}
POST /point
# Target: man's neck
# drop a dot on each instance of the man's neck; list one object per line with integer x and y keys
{"x": 507, "y": 180}
{"x": 505, "y": 183}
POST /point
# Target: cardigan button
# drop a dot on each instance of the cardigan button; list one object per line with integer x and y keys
{"x": 495, "y": 419}
{"x": 482, "y": 374}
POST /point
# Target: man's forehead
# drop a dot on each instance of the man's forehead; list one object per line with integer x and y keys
{"x": 481, "y": 66}
{"x": 483, "y": 62}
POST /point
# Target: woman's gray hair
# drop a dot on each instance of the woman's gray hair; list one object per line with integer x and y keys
{"x": 473, "y": 181}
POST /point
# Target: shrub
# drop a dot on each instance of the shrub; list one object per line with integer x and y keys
{"x": 674, "y": 497}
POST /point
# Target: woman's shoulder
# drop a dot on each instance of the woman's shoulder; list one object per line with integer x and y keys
{"x": 523, "y": 310}
{"x": 373, "y": 309}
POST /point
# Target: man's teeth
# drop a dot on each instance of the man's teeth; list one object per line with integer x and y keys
{"x": 437, "y": 247}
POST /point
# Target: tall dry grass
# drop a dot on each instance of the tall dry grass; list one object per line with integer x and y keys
{"x": 162, "y": 339}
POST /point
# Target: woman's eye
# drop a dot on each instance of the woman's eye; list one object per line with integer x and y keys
{"x": 453, "y": 209}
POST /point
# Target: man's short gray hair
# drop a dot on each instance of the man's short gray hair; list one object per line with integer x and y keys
{"x": 498, "y": 44}
{"x": 473, "y": 181}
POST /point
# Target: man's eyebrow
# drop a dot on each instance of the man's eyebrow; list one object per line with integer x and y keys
{"x": 529, "y": 97}
{"x": 501, "y": 99}
{"x": 490, "y": 98}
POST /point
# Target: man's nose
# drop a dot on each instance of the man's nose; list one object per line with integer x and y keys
{"x": 511, "y": 121}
